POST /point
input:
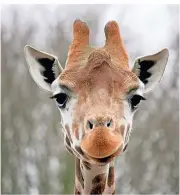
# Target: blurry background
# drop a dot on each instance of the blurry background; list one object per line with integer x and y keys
{"x": 34, "y": 159}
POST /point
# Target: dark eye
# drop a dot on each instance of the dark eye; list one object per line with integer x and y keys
{"x": 61, "y": 99}
{"x": 135, "y": 100}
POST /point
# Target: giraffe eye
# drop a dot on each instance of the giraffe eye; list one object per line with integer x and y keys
{"x": 135, "y": 100}
{"x": 61, "y": 99}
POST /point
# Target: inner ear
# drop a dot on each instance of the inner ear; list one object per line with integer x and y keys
{"x": 44, "y": 68}
{"x": 144, "y": 66}
{"x": 47, "y": 72}
{"x": 150, "y": 69}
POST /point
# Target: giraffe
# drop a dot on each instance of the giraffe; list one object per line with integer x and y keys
{"x": 97, "y": 94}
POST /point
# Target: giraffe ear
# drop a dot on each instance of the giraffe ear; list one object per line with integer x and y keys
{"x": 150, "y": 69}
{"x": 44, "y": 68}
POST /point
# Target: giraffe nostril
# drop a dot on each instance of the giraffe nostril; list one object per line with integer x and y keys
{"x": 90, "y": 124}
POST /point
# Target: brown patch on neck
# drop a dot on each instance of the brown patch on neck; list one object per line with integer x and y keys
{"x": 111, "y": 177}
{"x": 98, "y": 184}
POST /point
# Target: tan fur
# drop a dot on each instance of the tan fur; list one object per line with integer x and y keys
{"x": 122, "y": 128}
{"x": 99, "y": 86}
{"x": 75, "y": 130}
{"x": 111, "y": 178}
{"x": 101, "y": 79}
{"x": 114, "y": 44}
{"x": 96, "y": 115}
{"x": 80, "y": 49}
{"x": 100, "y": 143}
{"x": 99, "y": 183}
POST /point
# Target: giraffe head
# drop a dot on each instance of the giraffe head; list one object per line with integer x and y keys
{"x": 97, "y": 93}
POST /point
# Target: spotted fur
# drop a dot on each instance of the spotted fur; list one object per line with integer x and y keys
{"x": 98, "y": 184}
{"x": 111, "y": 177}
{"x": 97, "y": 83}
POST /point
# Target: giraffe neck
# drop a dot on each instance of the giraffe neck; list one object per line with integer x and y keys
{"x": 94, "y": 179}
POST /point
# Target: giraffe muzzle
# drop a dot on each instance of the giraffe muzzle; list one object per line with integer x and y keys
{"x": 101, "y": 143}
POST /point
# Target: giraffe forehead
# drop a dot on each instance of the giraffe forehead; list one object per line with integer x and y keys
{"x": 103, "y": 76}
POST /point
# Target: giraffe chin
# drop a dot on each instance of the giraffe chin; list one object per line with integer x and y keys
{"x": 102, "y": 144}
{"x": 107, "y": 159}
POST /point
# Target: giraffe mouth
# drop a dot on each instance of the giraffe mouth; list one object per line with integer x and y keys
{"x": 102, "y": 145}
{"x": 108, "y": 158}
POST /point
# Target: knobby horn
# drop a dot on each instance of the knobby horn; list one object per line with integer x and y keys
{"x": 80, "y": 49}
{"x": 114, "y": 44}
{"x": 80, "y": 42}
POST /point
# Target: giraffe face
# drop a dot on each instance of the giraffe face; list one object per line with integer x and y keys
{"x": 97, "y": 103}
{"x": 97, "y": 93}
